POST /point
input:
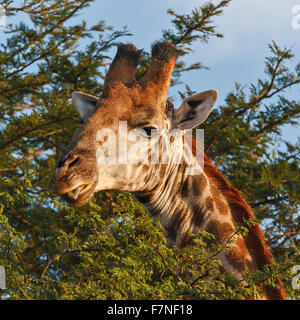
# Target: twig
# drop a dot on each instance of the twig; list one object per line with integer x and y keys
{"x": 48, "y": 265}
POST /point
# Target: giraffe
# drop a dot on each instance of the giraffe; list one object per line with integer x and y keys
{"x": 184, "y": 202}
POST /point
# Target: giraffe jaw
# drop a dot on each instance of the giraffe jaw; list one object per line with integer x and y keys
{"x": 79, "y": 195}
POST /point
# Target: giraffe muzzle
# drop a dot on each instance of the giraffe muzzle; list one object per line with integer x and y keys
{"x": 77, "y": 191}
{"x": 79, "y": 195}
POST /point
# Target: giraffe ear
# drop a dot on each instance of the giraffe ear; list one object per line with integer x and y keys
{"x": 84, "y": 103}
{"x": 195, "y": 109}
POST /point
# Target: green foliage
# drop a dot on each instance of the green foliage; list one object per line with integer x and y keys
{"x": 111, "y": 248}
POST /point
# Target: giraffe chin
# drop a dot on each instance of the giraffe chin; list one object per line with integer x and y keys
{"x": 80, "y": 195}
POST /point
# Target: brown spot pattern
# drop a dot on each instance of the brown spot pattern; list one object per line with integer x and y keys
{"x": 176, "y": 221}
{"x": 236, "y": 259}
{"x": 199, "y": 184}
{"x": 221, "y": 231}
{"x": 209, "y": 204}
{"x": 185, "y": 188}
{"x": 220, "y": 204}
{"x": 198, "y": 215}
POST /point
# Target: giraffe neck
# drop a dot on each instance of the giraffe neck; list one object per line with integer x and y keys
{"x": 176, "y": 206}
{"x": 188, "y": 203}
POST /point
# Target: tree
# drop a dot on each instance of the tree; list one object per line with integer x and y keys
{"x": 111, "y": 248}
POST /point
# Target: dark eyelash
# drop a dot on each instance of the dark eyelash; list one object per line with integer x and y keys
{"x": 148, "y": 130}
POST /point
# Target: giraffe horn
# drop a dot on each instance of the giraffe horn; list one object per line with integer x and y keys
{"x": 158, "y": 76}
{"x": 123, "y": 67}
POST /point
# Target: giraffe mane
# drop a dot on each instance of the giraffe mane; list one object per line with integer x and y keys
{"x": 255, "y": 240}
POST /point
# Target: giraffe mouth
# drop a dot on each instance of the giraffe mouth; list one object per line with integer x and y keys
{"x": 79, "y": 195}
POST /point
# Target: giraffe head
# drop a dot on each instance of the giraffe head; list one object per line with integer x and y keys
{"x": 128, "y": 111}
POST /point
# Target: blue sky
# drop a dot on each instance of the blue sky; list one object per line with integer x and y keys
{"x": 248, "y": 26}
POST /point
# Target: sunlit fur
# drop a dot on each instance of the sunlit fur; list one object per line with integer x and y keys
{"x": 185, "y": 203}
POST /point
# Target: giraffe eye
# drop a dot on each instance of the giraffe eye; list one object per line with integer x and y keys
{"x": 150, "y": 130}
